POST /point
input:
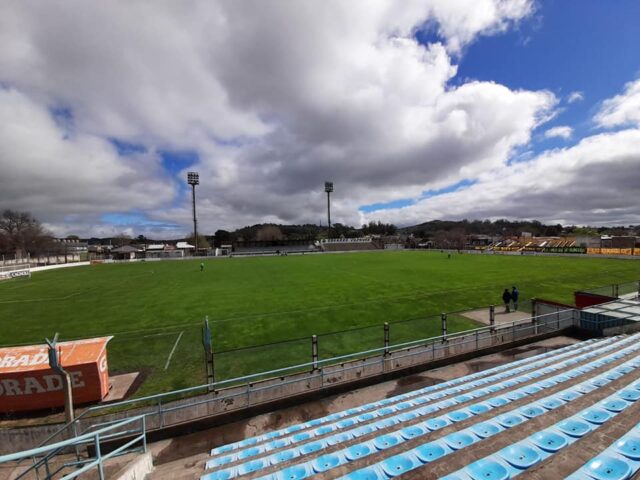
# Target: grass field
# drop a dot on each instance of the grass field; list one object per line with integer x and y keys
{"x": 155, "y": 308}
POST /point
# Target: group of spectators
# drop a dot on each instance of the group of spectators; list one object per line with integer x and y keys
{"x": 508, "y": 297}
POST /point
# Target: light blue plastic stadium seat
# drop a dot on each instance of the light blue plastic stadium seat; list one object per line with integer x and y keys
{"x": 363, "y": 430}
{"x": 430, "y": 451}
{"x": 498, "y": 401}
{"x": 569, "y": 395}
{"x": 251, "y": 466}
{"x": 630, "y": 395}
{"x": 346, "y": 423}
{"x": 357, "y": 451}
{"x": 249, "y": 452}
{"x": 573, "y": 427}
{"x": 436, "y": 423}
{"x": 399, "y": 464}
{"x": 406, "y": 416}
{"x": 385, "y": 441}
{"x": 325, "y": 462}
{"x": 458, "y": 440}
{"x": 604, "y": 467}
{"x": 485, "y": 429}
{"x": 531, "y": 389}
{"x": 551, "y": 403}
{"x": 515, "y": 395}
{"x": 295, "y": 472}
{"x": 463, "y": 398}
{"x": 595, "y": 415}
{"x": 279, "y": 443}
{"x": 509, "y": 420}
{"x": 324, "y": 430}
{"x": 531, "y": 411}
{"x": 248, "y": 442}
{"x": 549, "y": 441}
{"x": 369, "y": 473}
{"x": 458, "y": 415}
{"x": 547, "y": 383}
{"x": 283, "y": 456}
{"x": 301, "y": 437}
{"x": 366, "y": 416}
{"x": 220, "y": 475}
{"x": 412, "y": 432}
{"x": 386, "y": 423}
{"x": 615, "y": 404}
{"x": 339, "y": 438}
{"x": 487, "y": 469}
{"x": 629, "y": 447}
{"x": 479, "y": 408}
{"x": 311, "y": 447}
{"x": 520, "y": 455}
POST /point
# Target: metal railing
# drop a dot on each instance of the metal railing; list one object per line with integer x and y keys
{"x": 165, "y": 409}
{"x": 47, "y": 461}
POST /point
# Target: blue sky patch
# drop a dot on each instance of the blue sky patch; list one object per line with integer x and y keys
{"x": 406, "y": 202}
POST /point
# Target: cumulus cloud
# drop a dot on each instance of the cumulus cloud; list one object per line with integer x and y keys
{"x": 274, "y": 98}
{"x": 621, "y": 110}
{"x": 574, "y": 97}
{"x": 562, "y": 131}
{"x": 46, "y": 169}
{"x": 595, "y": 181}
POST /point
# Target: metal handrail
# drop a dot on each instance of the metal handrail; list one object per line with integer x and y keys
{"x": 42, "y": 455}
{"x": 66, "y": 443}
{"x": 336, "y": 359}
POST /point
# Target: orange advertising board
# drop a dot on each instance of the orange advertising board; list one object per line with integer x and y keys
{"x": 28, "y": 383}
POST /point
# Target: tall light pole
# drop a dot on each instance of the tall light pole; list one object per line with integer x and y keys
{"x": 193, "y": 179}
{"x": 328, "y": 187}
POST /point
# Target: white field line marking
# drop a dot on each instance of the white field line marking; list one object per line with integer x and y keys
{"x": 166, "y": 365}
{"x": 157, "y": 334}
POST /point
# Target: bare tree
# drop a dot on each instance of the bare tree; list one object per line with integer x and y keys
{"x": 21, "y": 233}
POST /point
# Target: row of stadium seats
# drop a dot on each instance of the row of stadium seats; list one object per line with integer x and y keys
{"x": 513, "y": 460}
{"x": 405, "y": 427}
{"x": 424, "y": 395}
{"x": 346, "y": 437}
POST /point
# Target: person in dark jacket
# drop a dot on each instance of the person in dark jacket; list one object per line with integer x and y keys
{"x": 514, "y": 297}
{"x": 506, "y": 298}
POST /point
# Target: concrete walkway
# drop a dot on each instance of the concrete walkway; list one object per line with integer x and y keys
{"x": 482, "y": 315}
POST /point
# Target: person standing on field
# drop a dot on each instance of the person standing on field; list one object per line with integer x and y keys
{"x": 514, "y": 297}
{"x": 506, "y": 298}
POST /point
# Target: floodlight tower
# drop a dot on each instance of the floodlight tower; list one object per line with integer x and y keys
{"x": 328, "y": 187}
{"x": 193, "y": 179}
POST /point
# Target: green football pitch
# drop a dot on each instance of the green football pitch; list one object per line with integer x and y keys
{"x": 262, "y": 311}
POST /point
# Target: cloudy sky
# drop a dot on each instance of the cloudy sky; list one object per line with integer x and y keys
{"x": 415, "y": 109}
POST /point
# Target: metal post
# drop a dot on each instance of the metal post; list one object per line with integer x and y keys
{"x": 329, "y": 213}
{"x": 195, "y": 221}
{"x": 443, "y": 317}
{"x": 386, "y": 338}
{"x": 208, "y": 354}
{"x": 99, "y": 457}
{"x": 314, "y": 351}
{"x": 56, "y": 365}
{"x": 477, "y": 334}
{"x": 616, "y": 290}
{"x": 534, "y": 317}
{"x": 492, "y": 316}
{"x": 328, "y": 187}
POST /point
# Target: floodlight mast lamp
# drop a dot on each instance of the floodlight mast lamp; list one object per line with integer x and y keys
{"x": 193, "y": 179}
{"x": 328, "y": 187}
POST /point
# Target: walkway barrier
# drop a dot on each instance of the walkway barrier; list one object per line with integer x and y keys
{"x": 67, "y": 458}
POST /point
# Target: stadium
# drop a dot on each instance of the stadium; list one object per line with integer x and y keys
{"x": 339, "y": 239}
